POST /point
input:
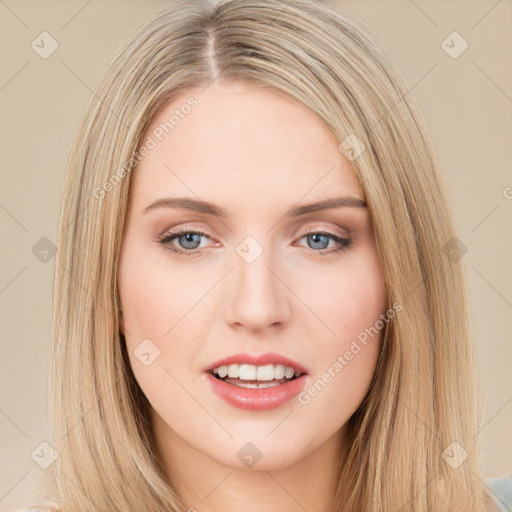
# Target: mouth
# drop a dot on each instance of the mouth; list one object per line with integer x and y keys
{"x": 256, "y": 382}
{"x": 255, "y": 377}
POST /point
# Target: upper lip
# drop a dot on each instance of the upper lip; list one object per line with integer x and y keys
{"x": 257, "y": 360}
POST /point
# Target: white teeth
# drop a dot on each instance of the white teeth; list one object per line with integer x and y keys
{"x": 267, "y": 372}
{"x": 279, "y": 371}
{"x": 247, "y": 372}
{"x": 233, "y": 371}
{"x": 223, "y": 371}
{"x": 260, "y": 385}
{"x": 268, "y": 384}
{"x": 289, "y": 372}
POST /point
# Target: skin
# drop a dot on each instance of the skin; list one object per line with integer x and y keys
{"x": 256, "y": 153}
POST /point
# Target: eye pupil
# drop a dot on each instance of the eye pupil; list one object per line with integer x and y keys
{"x": 189, "y": 241}
{"x": 319, "y": 238}
{"x": 190, "y": 238}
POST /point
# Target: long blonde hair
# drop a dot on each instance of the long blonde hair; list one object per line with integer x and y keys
{"x": 423, "y": 396}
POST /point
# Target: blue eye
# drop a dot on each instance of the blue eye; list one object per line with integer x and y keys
{"x": 190, "y": 240}
{"x": 320, "y": 240}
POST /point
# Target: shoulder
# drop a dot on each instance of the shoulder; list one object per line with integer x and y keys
{"x": 501, "y": 488}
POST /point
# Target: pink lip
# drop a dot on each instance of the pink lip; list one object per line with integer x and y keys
{"x": 256, "y": 399}
{"x": 257, "y": 360}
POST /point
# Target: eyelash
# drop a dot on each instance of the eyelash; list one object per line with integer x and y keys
{"x": 170, "y": 236}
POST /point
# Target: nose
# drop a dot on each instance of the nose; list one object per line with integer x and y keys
{"x": 259, "y": 297}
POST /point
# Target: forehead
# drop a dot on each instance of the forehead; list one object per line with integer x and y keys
{"x": 241, "y": 141}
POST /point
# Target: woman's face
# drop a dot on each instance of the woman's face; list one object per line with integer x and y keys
{"x": 260, "y": 280}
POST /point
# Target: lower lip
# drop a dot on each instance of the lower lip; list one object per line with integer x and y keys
{"x": 257, "y": 399}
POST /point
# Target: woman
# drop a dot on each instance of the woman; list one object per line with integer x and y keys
{"x": 259, "y": 301}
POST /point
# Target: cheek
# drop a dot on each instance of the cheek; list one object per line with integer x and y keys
{"x": 155, "y": 303}
{"x": 351, "y": 302}
{"x": 348, "y": 299}
{"x": 163, "y": 304}
{"x": 154, "y": 296}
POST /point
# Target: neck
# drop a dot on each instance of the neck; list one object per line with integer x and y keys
{"x": 206, "y": 485}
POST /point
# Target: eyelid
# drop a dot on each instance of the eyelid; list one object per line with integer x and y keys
{"x": 316, "y": 229}
{"x": 211, "y": 236}
{"x": 186, "y": 229}
{"x": 343, "y": 243}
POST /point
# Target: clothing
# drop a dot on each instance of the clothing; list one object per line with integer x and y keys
{"x": 501, "y": 491}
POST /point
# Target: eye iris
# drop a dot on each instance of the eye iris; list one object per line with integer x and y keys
{"x": 193, "y": 238}
{"x": 317, "y": 237}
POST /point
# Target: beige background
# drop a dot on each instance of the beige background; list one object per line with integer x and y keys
{"x": 467, "y": 101}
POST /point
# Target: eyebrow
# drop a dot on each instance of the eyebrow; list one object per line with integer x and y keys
{"x": 205, "y": 207}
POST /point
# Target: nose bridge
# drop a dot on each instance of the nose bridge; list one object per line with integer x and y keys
{"x": 259, "y": 298}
